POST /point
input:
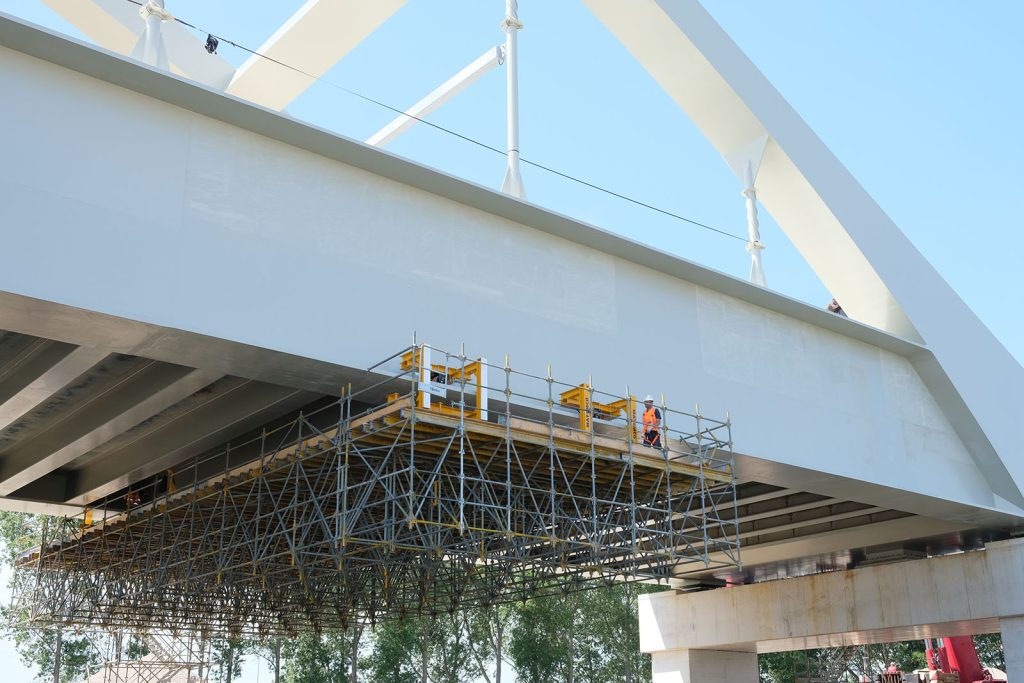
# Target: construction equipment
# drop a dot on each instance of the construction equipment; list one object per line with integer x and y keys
{"x": 582, "y": 398}
{"x": 434, "y": 378}
{"x": 956, "y": 656}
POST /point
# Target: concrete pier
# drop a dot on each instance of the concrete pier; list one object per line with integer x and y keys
{"x": 706, "y": 666}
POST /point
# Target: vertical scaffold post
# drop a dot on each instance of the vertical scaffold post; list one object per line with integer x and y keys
{"x": 346, "y": 436}
{"x": 260, "y": 481}
{"x": 670, "y": 509}
{"x": 223, "y": 492}
{"x": 295, "y": 505}
{"x": 551, "y": 450}
{"x": 39, "y": 565}
{"x": 508, "y": 449}
{"x": 421, "y": 377}
{"x": 462, "y": 439}
{"x": 422, "y": 386}
{"x": 732, "y": 473}
{"x": 632, "y": 482}
{"x": 337, "y": 477}
{"x": 481, "y": 384}
{"x": 703, "y": 486}
{"x": 589, "y": 407}
{"x": 193, "y": 504}
{"x": 632, "y": 429}
{"x": 154, "y": 508}
{"x": 410, "y": 516}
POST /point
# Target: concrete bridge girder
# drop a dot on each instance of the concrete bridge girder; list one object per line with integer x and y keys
{"x": 716, "y": 635}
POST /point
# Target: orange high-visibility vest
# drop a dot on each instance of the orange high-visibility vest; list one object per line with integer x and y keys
{"x": 650, "y": 419}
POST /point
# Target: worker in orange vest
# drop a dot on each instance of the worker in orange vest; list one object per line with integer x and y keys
{"x": 652, "y": 423}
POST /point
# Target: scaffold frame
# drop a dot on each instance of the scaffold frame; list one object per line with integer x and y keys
{"x": 428, "y": 490}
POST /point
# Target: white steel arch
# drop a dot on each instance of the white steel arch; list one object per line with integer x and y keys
{"x": 854, "y": 247}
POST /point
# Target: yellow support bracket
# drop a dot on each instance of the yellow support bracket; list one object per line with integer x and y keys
{"x": 442, "y": 374}
{"x": 624, "y": 406}
{"x": 581, "y": 398}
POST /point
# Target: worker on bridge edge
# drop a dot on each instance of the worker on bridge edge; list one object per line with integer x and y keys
{"x": 834, "y": 307}
{"x": 652, "y": 423}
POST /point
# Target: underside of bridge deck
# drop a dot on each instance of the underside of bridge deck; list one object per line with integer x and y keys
{"x": 78, "y": 424}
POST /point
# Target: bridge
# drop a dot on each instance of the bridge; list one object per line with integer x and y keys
{"x": 189, "y": 266}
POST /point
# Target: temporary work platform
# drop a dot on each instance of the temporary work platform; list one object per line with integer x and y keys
{"x": 428, "y": 490}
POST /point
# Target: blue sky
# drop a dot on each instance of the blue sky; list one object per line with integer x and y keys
{"x": 921, "y": 100}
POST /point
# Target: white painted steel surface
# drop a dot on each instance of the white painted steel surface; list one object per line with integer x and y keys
{"x": 745, "y": 163}
{"x": 280, "y": 263}
{"x": 438, "y": 97}
{"x": 150, "y": 48}
{"x": 116, "y": 25}
{"x": 513, "y": 181}
{"x": 754, "y": 244}
{"x": 305, "y": 47}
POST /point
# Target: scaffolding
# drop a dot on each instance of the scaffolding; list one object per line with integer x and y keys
{"x": 168, "y": 660}
{"x": 428, "y": 490}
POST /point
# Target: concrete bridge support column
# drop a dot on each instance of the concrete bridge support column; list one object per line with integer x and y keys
{"x": 1012, "y": 631}
{"x": 704, "y": 666}
{"x": 713, "y": 635}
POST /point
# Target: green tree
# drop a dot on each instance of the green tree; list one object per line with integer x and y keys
{"x": 54, "y": 654}
{"x": 134, "y": 648}
{"x": 545, "y": 639}
{"x": 486, "y": 631}
{"x": 450, "y": 657}
{"x": 611, "y": 615}
{"x": 227, "y": 657}
{"x": 272, "y": 652}
{"x": 328, "y": 658}
{"x": 778, "y": 667}
{"x": 306, "y": 660}
{"x": 396, "y": 652}
{"x": 74, "y": 656}
{"x": 990, "y": 650}
{"x": 839, "y": 663}
{"x": 588, "y": 636}
{"x": 421, "y": 650}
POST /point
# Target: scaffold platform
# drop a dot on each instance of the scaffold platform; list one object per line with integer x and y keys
{"x": 426, "y": 491}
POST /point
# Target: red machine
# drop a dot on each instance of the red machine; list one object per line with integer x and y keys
{"x": 957, "y": 655}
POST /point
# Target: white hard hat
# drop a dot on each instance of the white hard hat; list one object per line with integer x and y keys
{"x": 648, "y": 399}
